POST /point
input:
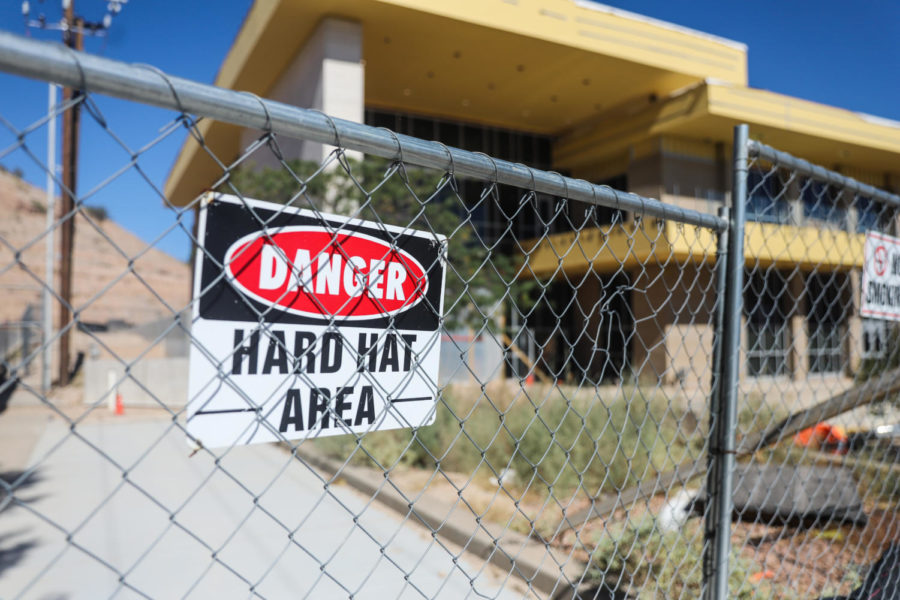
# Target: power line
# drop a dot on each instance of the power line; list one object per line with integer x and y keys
{"x": 77, "y": 24}
{"x": 74, "y": 28}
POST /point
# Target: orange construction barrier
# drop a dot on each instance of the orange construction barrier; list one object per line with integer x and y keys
{"x": 823, "y": 435}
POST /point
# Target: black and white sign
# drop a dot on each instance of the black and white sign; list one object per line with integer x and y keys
{"x": 881, "y": 277}
{"x": 310, "y": 325}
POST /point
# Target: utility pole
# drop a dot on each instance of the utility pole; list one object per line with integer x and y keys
{"x": 73, "y": 37}
{"x": 73, "y": 30}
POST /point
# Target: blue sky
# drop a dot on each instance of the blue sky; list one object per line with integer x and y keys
{"x": 834, "y": 52}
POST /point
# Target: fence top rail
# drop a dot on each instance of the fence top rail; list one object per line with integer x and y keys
{"x": 804, "y": 167}
{"x": 140, "y": 83}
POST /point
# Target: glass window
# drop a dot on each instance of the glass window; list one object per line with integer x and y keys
{"x": 874, "y": 338}
{"x": 494, "y": 216}
{"x": 825, "y": 320}
{"x": 822, "y": 203}
{"x": 866, "y": 214}
{"x": 605, "y": 215}
{"x": 765, "y": 299}
{"x": 871, "y": 215}
{"x": 765, "y": 197}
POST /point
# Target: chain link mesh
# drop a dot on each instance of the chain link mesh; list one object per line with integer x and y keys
{"x": 575, "y": 348}
{"x": 816, "y": 486}
{"x": 566, "y": 430}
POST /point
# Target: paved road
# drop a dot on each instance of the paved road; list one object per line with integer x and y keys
{"x": 266, "y": 518}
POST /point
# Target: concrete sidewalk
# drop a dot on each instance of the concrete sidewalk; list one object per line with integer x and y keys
{"x": 262, "y": 523}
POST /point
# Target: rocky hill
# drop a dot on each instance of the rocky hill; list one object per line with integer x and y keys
{"x": 105, "y": 289}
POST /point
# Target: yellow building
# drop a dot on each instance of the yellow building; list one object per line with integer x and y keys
{"x": 610, "y": 97}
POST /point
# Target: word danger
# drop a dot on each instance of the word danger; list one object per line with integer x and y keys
{"x": 311, "y": 271}
{"x": 309, "y": 353}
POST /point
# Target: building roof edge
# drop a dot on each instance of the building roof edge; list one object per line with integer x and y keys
{"x": 610, "y": 10}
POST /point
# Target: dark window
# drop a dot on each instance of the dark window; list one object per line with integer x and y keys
{"x": 866, "y": 214}
{"x": 766, "y": 197}
{"x": 825, "y": 319}
{"x": 583, "y": 336}
{"x": 822, "y": 203}
{"x": 875, "y": 216}
{"x": 765, "y": 303}
{"x": 875, "y": 338}
{"x": 606, "y": 215}
{"x": 499, "y": 212}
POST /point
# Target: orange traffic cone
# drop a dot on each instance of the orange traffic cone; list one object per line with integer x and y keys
{"x": 120, "y": 406}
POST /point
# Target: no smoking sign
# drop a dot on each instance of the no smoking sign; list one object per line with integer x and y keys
{"x": 880, "y": 257}
{"x": 881, "y": 277}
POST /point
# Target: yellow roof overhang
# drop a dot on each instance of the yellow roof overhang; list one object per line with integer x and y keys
{"x": 530, "y": 65}
{"x": 608, "y": 249}
{"x": 825, "y": 135}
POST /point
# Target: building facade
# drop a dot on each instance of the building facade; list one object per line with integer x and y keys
{"x": 613, "y": 98}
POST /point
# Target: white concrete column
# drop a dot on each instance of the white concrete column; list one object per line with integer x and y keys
{"x": 328, "y": 74}
{"x": 798, "y": 348}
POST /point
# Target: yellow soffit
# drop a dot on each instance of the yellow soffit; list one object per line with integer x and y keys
{"x": 644, "y": 54}
{"x": 629, "y": 126}
{"x": 767, "y": 244}
{"x": 194, "y": 169}
{"x": 599, "y": 29}
{"x": 608, "y": 249}
{"x": 800, "y": 126}
{"x": 805, "y": 247}
{"x": 612, "y": 248}
{"x": 826, "y": 135}
{"x": 767, "y": 108}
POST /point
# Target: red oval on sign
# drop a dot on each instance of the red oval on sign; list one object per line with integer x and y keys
{"x": 314, "y": 272}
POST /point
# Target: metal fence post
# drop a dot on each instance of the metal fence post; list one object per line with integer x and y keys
{"x": 725, "y": 396}
{"x": 710, "y": 522}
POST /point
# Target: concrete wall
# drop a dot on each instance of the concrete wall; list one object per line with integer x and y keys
{"x": 854, "y": 341}
{"x": 672, "y": 302}
{"x": 696, "y": 182}
{"x": 152, "y": 381}
{"x": 327, "y": 75}
{"x": 468, "y": 360}
{"x": 673, "y": 330}
{"x": 798, "y": 339}
{"x": 645, "y": 176}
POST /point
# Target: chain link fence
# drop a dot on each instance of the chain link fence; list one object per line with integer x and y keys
{"x": 816, "y": 487}
{"x": 408, "y": 370}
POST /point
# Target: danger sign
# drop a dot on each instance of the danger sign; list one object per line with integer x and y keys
{"x": 881, "y": 277}
{"x": 310, "y": 325}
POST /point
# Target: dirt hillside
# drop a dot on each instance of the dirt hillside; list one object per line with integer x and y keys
{"x": 101, "y": 292}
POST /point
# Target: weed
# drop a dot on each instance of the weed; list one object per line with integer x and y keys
{"x": 645, "y": 562}
{"x": 553, "y": 439}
